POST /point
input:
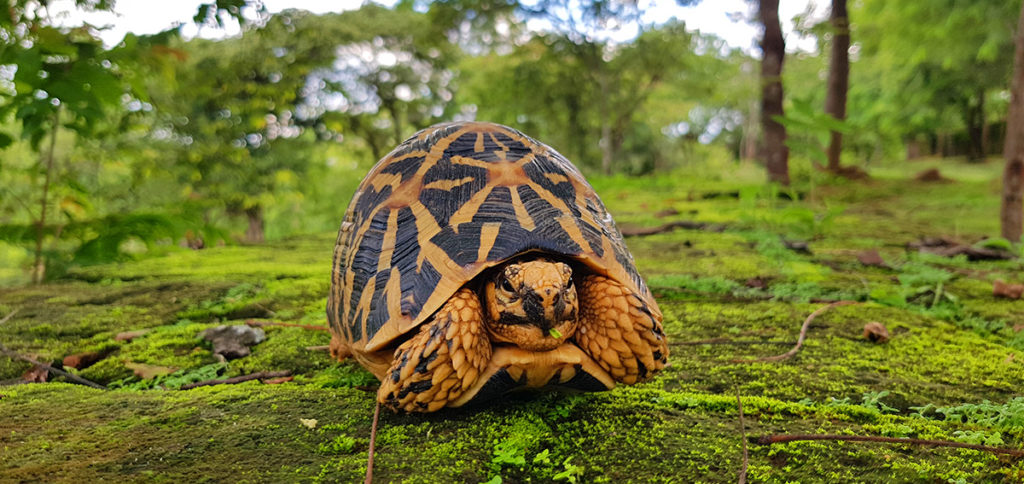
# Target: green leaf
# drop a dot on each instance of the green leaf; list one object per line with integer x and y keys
{"x": 52, "y": 41}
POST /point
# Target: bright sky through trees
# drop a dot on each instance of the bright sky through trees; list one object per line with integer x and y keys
{"x": 724, "y": 18}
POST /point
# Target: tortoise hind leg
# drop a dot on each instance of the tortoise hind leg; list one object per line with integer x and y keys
{"x": 619, "y": 331}
{"x": 442, "y": 361}
{"x": 339, "y": 348}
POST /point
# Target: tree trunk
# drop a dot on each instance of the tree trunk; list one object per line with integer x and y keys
{"x": 975, "y": 112}
{"x": 39, "y": 268}
{"x": 838, "y": 77}
{"x": 1011, "y": 218}
{"x": 986, "y": 135}
{"x": 774, "y": 152}
{"x": 913, "y": 149}
{"x": 254, "y": 234}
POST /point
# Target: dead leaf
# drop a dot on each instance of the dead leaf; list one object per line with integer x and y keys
{"x": 279, "y": 380}
{"x": 871, "y": 258}
{"x": 130, "y": 335}
{"x": 1018, "y": 328}
{"x": 82, "y": 360}
{"x": 146, "y": 372}
{"x": 876, "y": 332}
{"x": 36, "y": 374}
{"x": 1009, "y": 291}
{"x": 755, "y": 282}
{"x": 1009, "y": 358}
{"x": 668, "y": 212}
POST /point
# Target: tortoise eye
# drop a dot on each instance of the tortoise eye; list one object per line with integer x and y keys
{"x": 570, "y": 284}
{"x": 506, "y": 285}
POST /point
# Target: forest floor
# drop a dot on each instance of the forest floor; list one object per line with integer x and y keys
{"x": 738, "y": 288}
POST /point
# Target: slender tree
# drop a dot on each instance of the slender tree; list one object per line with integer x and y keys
{"x": 1011, "y": 218}
{"x": 774, "y": 153}
{"x": 838, "y": 77}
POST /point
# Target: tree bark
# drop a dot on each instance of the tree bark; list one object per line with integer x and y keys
{"x": 254, "y": 233}
{"x": 774, "y": 152}
{"x": 39, "y": 269}
{"x": 838, "y": 77}
{"x": 1011, "y": 217}
{"x": 975, "y": 113}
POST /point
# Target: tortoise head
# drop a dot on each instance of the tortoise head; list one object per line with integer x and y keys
{"x": 531, "y": 303}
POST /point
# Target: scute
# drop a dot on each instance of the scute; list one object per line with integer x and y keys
{"x": 448, "y": 203}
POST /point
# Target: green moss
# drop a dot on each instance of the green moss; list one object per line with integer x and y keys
{"x": 951, "y": 370}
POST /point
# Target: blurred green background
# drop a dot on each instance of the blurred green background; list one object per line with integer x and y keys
{"x": 152, "y": 143}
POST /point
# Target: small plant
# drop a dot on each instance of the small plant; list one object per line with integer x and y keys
{"x": 174, "y": 380}
{"x": 924, "y": 284}
{"x": 342, "y": 444}
{"x": 874, "y": 400}
{"x": 509, "y": 453}
{"x": 979, "y": 437}
{"x": 572, "y": 473}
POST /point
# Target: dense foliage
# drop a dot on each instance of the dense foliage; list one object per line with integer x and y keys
{"x": 110, "y": 151}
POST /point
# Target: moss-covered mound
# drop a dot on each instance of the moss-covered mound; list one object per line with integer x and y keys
{"x": 952, "y": 368}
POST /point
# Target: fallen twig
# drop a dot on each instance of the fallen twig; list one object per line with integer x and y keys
{"x": 803, "y": 335}
{"x": 69, "y": 376}
{"x": 263, "y": 375}
{"x": 8, "y": 317}
{"x": 726, "y": 341}
{"x": 258, "y": 323}
{"x": 670, "y": 226}
{"x": 319, "y": 348}
{"x": 778, "y": 439}
{"x": 373, "y": 443}
{"x": 743, "y": 431}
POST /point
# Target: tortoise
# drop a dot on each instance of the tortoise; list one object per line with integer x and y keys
{"x": 474, "y": 260}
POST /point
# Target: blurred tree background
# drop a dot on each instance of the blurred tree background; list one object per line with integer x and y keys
{"x": 159, "y": 141}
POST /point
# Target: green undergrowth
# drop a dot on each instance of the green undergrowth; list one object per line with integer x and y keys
{"x": 951, "y": 369}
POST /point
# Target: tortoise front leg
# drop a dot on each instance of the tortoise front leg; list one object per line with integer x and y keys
{"x": 442, "y": 361}
{"x": 619, "y": 331}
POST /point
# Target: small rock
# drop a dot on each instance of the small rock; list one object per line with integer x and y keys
{"x": 233, "y": 342}
{"x": 797, "y": 246}
{"x": 130, "y": 335}
{"x": 876, "y": 332}
{"x": 871, "y": 258}
{"x": 1009, "y": 291}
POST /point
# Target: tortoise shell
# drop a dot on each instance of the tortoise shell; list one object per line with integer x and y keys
{"x": 445, "y": 205}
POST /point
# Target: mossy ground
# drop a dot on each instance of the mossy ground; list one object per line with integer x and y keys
{"x": 952, "y": 370}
